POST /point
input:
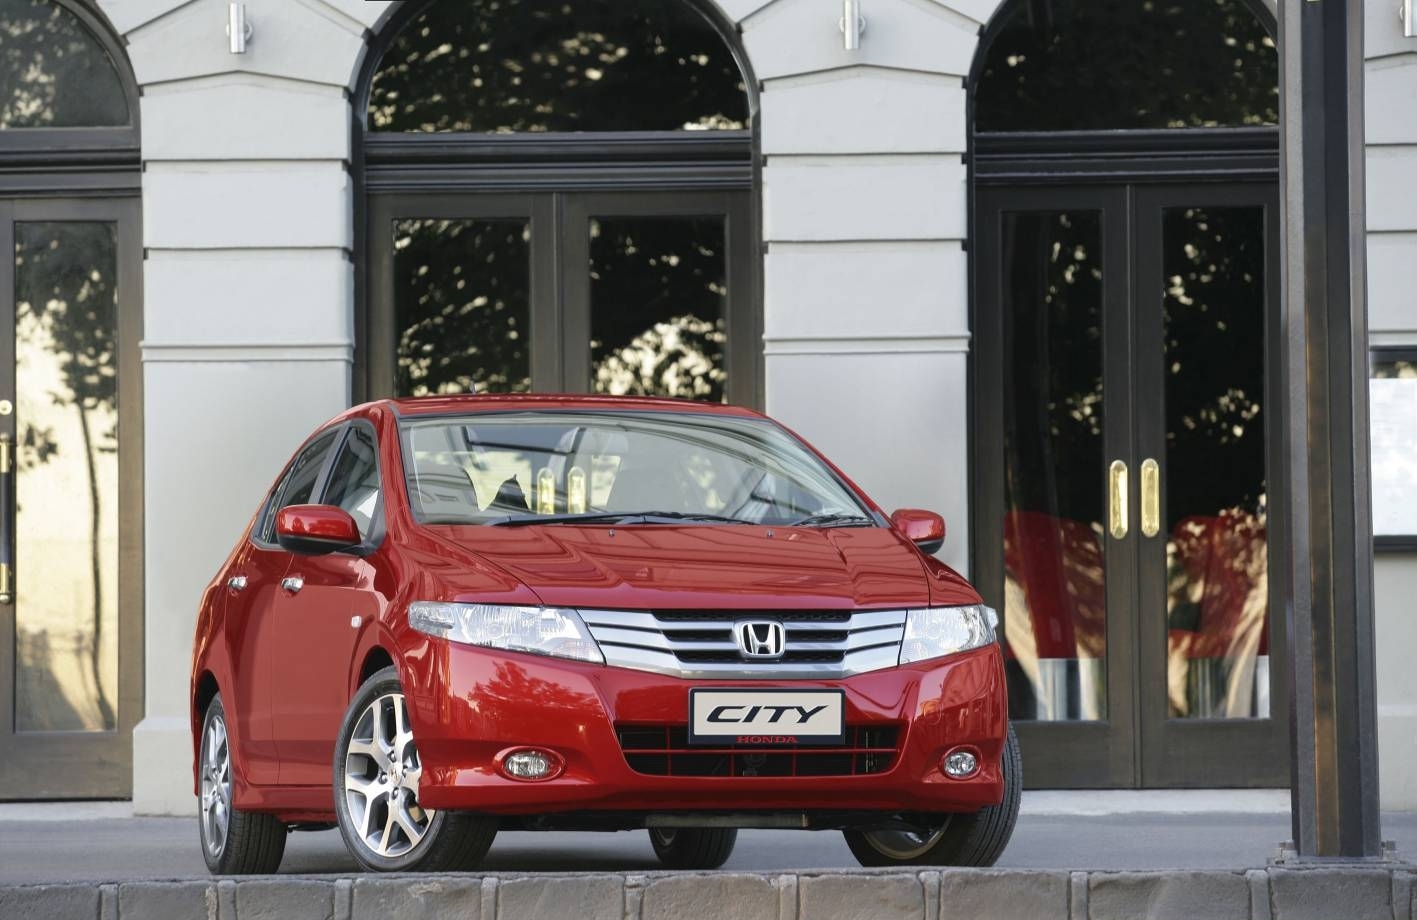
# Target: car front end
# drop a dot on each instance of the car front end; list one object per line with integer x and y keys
{"x": 861, "y": 714}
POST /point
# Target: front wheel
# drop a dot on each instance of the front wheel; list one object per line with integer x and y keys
{"x": 693, "y": 847}
{"x": 377, "y": 771}
{"x": 950, "y": 839}
{"x": 233, "y": 842}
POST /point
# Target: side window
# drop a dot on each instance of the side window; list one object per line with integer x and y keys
{"x": 354, "y": 483}
{"x": 299, "y": 482}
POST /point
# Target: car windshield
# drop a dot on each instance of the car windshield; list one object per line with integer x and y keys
{"x": 569, "y": 467}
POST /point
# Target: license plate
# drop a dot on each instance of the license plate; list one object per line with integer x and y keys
{"x": 767, "y": 717}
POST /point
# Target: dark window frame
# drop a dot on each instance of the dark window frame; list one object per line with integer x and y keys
{"x": 92, "y": 174}
{"x": 408, "y": 12}
{"x": 391, "y": 169}
{"x": 560, "y": 299}
{"x": 1405, "y": 542}
{"x": 1218, "y": 154}
{"x": 61, "y": 162}
{"x": 999, "y": 21}
{"x": 1040, "y": 169}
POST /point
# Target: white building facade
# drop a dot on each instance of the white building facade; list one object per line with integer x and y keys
{"x": 873, "y": 247}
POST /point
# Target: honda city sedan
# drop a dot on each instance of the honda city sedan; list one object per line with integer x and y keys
{"x": 456, "y": 615}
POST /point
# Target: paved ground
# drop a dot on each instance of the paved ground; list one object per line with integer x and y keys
{"x": 110, "y": 849}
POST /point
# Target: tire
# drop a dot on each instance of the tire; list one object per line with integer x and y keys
{"x": 233, "y": 842}
{"x": 693, "y": 847}
{"x": 959, "y": 839}
{"x": 376, "y": 774}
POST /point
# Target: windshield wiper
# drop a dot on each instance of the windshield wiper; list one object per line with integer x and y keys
{"x": 593, "y": 517}
{"x": 613, "y": 517}
{"x": 654, "y": 517}
{"x": 833, "y": 519}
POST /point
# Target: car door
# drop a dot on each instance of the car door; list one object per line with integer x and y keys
{"x": 323, "y": 603}
{"x": 253, "y": 595}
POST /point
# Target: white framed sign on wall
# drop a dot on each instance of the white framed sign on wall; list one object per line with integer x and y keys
{"x": 1392, "y": 411}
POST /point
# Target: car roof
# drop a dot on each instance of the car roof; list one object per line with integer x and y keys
{"x": 492, "y": 402}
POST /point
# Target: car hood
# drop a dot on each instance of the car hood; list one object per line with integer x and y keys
{"x": 698, "y": 566}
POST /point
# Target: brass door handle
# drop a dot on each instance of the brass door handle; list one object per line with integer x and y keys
{"x": 1117, "y": 500}
{"x": 7, "y": 520}
{"x": 1150, "y": 498}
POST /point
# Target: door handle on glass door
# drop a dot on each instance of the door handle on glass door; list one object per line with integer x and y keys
{"x": 292, "y": 583}
{"x": 1150, "y": 498}
{"x": 1117, "y": 500}
{"x": 7, "y": 520}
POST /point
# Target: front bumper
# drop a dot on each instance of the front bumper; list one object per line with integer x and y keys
{"x": 469, "y": 704}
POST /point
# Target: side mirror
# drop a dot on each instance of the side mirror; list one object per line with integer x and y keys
{"x": 314, "y": 530}
{"x": 925, "y": 529}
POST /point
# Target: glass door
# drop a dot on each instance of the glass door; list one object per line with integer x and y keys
{"x": 70, "y": 601}
{"x": 660, "y": 285}
{"x": 1120, "y": 467}
{"x": 1052, "y": 414}
{"x": 1212, "y": 695}
{"x": 462, "y": 294}
{"x": 643, "y": 293}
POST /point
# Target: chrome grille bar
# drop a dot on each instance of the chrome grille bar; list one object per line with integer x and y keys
{"x": 638, "y": 639}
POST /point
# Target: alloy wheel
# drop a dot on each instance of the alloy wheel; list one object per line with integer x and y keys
{"x": 905, "y": 845}
{"x": 215, "y": 786}
{"x": 381, "y": 775}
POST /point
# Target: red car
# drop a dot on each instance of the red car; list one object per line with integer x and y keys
{"x": 455, "y": 615}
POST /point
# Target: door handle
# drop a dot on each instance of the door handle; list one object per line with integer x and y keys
{"x": 7, "y": 520}
{"x": 292, "y": 584}
{"x": 1150, "y": 498}
{"x": 236, "y": 583}
{"x": 1117, "y": 499}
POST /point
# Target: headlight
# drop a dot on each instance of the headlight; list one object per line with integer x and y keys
{"x": 939, "y": 631}
{"x": 554, "y": 631}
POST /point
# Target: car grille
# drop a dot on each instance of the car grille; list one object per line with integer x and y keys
{"x": 820, "y": 644}
{"x": 664, "y": 750}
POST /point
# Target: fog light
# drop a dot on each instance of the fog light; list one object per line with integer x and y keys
{"x": 960, "y": 764}
{"x": 530, "y": 763}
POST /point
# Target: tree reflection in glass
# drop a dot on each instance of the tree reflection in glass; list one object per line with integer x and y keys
{"x": 462, "y": 308}
{"x": 658, "y": 288}
{"x": 1055, "y": 611}
{"x": 504, "y": 66}
{"x": 1119, "y": 64}
{"x": 1213, "y": 305}
{"x": 53, "y": 72}
{"x": 66, "y": 540}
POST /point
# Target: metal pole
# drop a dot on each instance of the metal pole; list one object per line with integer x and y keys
{"x": 1333, "y": 717}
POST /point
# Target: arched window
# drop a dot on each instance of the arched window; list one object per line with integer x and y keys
{"x": 54, "y": 70}
{"x": 70, "y": 323}
{"x": 558, "y": 198}
{"x": 504, "y": 66}
{"x": 1089, "y": 65}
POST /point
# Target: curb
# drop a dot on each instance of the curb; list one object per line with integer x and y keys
{"x": 1318, "y": 893}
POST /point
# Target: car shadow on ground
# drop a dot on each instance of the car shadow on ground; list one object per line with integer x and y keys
{"x": 323, "y": 853}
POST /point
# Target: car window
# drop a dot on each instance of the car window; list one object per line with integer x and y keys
{"x": 480, "y": 468}
{"x": 299, "y": 481}
{"x": 354, "y": 482}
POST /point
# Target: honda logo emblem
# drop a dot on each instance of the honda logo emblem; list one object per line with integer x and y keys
{"x": 760, "y": 638}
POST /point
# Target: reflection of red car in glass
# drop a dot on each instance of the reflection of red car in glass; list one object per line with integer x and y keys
{"x": 470, "y": 613}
